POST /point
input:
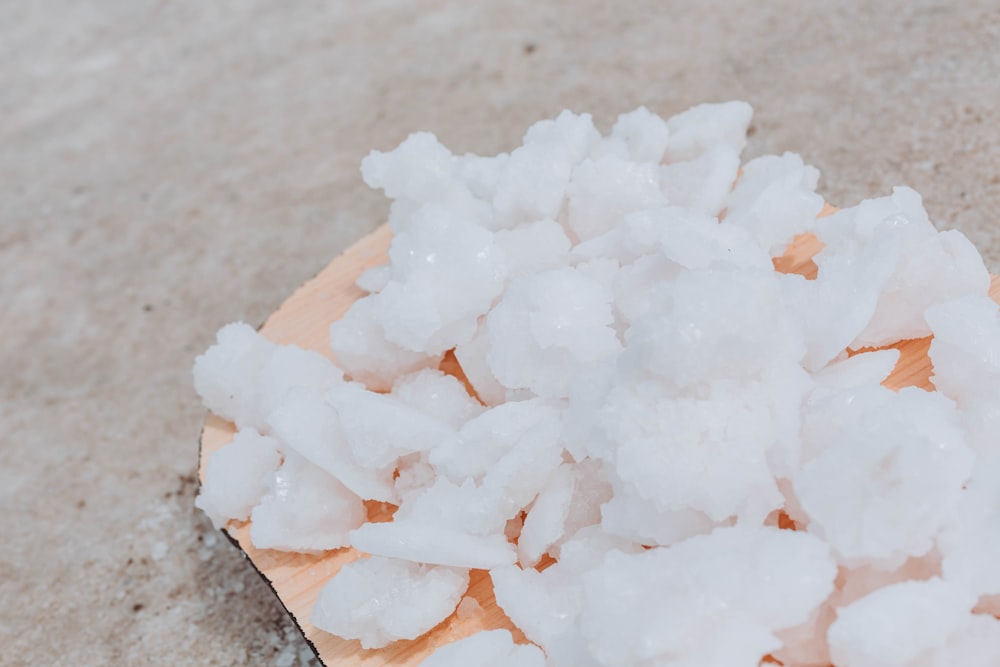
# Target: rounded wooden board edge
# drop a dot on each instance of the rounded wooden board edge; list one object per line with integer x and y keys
{"x": 304, "y": 320}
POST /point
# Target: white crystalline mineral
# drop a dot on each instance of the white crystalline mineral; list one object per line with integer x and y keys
{"x": 694, "y": 131}
{"x": 360, "y": 347}
{"x": 546, "y": 327}
{"x": 603, "y": 191}
{"x": 380, "y": 429}
{"x": 966, "y": 348}
{"x": 487, "y": 648}
{"x": 226, "y": 376}
{"x": 237, "y": 476}
{"x": 310, "y": 426}
{"x": 437, "y": 395}
{"x": 305, "y": 510}
{"x": 446, "y": 272}
{"x": 932, "y": 267}
{"x": 898, "y": 624}
{"x": 533, "y": 247}
{"x": 890, "y": 482}
{"x": 595, "y": 367}
{"x": 710, "y": 600}
{"x": 382, "y": 600}
{"x": 702, "y": 184}
{"x": 775, "y": 199}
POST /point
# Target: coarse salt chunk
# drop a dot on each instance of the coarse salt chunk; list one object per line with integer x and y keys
{"x": 437, "y": 395}
{"x": 971, "y": 544}
{"x": 702, "y": 184}
{"x": 601, "y": 192}
{"x": 236, "y": 476}
{"x": 380, "y": 429}
{"x": 310, "y": 426}
{"x": 895, "y": 625}
{"x": 305, "y": 509}
{"x": 710, "y": 600}
{"x": 533, "y": 247}
{"x": 422, "y": 171}
{"x": 546, "y": 327}
{"x": 546, "y": 520}
{"x": 532, "y": 185}
{"x": 639, "y": 135}
{"x": 966, "y": 348}
{"x": 897, "y": 472}
{"x": 701, "y": 127}
{"x": 484, "y": 440}
{"x": 775, "y": 199}
{"x": 471, "y": 357}
{"x": 418, "y": 542}
{"x": 933, "y": 267}
{"x": 360, "y": 347}
{"x": 226, "y": 375}
{"x": 382, "y": 600}
{"x": 446, "y": 272}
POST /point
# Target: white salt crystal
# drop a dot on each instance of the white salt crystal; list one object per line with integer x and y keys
{"x": 545, "y": 605}
{"x": 862, "y": 369}
{"x": 629, "y": 516}
{"x": 835, "y": 308}
{"x": 236, "y": 476}
{"x": 702, "y": 184}
{"x": 691, "y": 336}
{"x": 382, "y": 600}
{"x": 309, "y": 425}
{"x": 486, "y": 648}
{"x": 971, "y": 544}
{"x": 446, "y": 272}
{"x": 701, "y": 127}
{"x": 603, "y": 191}
{"x": 775, "y": 199}
{"x": 361, "y": 349}
{"x": 421, "y": 543}
{"x": 570, "y": 133}
{"x": 289, "y": 367}
{"x": 226, "y": 375}
{"x": 484, "y": 440}
{"x": 481, "y": 174}
{"x": 897, "y": 624}
{"x": 966, "y": 347}
{"x": 546, "y": 519}
{"x": 437, "y": 395}
{"x": 897, "y": 472}
{"x": 471, "y": 358}
{"x": 532, "y": 184}
{"x": 976, "y": 643}
{"x": 304, "y": 510}
{"x": 379, "y": 429}
{"x": 533, "y": 247}
{"x": 374, "y": 279}
{"x": 422, "y": 171}
{"x": 546, "y": 327}
{"x": 710, "y": 600}
{"x": 643, "y": 133}
{"x": 934, "y": 266}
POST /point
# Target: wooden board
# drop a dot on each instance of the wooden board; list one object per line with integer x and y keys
{"x": 304, "y": 319}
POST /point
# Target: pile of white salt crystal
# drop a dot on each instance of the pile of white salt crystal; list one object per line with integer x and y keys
{"x": 673, "y": 421}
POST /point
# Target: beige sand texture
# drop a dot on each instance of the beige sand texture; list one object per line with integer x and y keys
{"x": 167, "y": 167}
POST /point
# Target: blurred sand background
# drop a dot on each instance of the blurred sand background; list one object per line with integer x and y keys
{"x": 167, "y": 167}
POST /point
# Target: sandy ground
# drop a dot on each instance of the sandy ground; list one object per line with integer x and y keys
{"x": 167, "y": 167}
